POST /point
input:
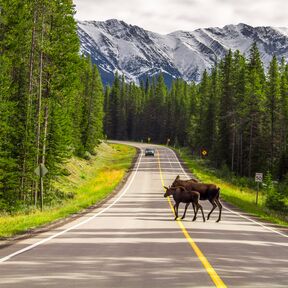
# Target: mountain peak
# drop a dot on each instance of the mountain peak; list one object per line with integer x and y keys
{"x": 117, "y": 46}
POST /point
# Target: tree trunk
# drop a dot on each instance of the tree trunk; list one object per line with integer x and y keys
{"x": 43, "y": 155}
{"x": 233, "y": 147}
{"x": 29, "y": 103}
{"x": 250, "y": 149}
{"x": 39, "y": 106}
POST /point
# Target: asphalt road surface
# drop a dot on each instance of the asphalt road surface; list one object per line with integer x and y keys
{"x": 133, "y": 241}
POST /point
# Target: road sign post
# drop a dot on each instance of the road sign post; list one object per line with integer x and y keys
{"x": 258, "y": 179}
{"x": 41, "y": 171}
{"x": 204, "y": 152}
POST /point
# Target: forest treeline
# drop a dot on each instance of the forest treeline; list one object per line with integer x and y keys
{"x": 51, "y": 98}
{"x": 237, "y": 113}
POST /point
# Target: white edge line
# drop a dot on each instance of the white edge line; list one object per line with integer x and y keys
{"x": 259, "y": 223}
{"x": 237, "y": 213}
{"x": 30, "y": 247}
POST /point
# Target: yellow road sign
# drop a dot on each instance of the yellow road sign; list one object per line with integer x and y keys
{"x": 204, "y": 152}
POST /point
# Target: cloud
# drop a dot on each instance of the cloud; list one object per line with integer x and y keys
{"x": 165, "y": 16}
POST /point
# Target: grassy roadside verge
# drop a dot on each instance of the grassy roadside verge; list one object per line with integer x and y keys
{"x": 241, "y": 197}
{"x": 90, "y": 180}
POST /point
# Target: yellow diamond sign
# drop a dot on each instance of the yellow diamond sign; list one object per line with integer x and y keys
{"x": 204, "y": 152}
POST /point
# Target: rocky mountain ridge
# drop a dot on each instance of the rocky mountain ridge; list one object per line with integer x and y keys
{"x": 116, "y": 46}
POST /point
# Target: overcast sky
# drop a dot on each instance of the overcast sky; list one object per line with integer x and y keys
{"x": 165, "y": 16}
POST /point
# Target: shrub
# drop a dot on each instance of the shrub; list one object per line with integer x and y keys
{"x": 56, "y": 196}
{"x": 87, "y": 155}
{"x": 276, "y": 201}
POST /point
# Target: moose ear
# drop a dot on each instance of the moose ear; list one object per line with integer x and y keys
{"x": 177, "y": 177}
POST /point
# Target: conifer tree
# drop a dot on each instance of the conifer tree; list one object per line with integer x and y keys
{"x": 273, "y": 111}
{"x": 114, "y": 108}
{"x": 240, "y": 90}
{"x": 92, "y": 118}
{"x": 227, "y": 111}
{"x": 210, "y": 135}
{"x": 283, "y": 161}
{"x": 253, "y": 141}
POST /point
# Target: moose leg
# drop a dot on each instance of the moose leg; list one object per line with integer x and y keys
{"x": 194, "y": 207}
{"x": 174, "y": 207}
{"x": 212, "y": 201}
{"x": 220, "y": 208}
{"x": 195, "y": 213}
{"x": 176, "y": 210}
{"x": 186, "y": 206}
{"x": 202, "y": 212}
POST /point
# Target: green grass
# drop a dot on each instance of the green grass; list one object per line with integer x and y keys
{"x": 90, "y": 180}
{"x": 241, "y": 197}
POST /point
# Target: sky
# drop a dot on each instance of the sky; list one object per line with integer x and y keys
{"x": 165, "y": 16}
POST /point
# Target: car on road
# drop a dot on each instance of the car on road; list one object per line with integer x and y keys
{"x": 149, "y": 152}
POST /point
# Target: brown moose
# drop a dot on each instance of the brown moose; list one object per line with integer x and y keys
{"x": 208, "y": 192}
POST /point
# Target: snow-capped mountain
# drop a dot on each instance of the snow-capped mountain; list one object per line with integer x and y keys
{"x": 135, "y": 52}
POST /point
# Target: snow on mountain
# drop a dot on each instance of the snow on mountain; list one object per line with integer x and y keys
{"x": 116, "y": 46}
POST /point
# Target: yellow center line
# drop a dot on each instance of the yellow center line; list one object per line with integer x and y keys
{"x": 210, "y": 270}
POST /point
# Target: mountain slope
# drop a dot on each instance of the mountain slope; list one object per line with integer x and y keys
{"x": 117, "y": 46}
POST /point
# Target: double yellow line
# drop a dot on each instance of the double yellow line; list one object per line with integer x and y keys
{"x": 210, "y": 270}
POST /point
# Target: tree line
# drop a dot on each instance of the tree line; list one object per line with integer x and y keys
{"x": 51, "y": 97}
{"x": 238, "y": 113}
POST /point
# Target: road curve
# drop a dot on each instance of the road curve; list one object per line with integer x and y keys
{"x": 133, "y": 241}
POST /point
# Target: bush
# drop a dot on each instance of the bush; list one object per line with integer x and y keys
{"x": 276, "y": 201}
{"x": 283, "y": 187}
{"x": 54, "y": 197}
{"x": 225, "y": 171}
{"x": 87, "y": 155}
{"x": 65, "y": 172}
{"x": 275, "y": 198}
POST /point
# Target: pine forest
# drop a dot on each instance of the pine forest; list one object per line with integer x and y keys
{"x": 51, "y": 98}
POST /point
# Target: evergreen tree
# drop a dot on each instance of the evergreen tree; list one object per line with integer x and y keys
{"x": 227, "y": 111}
{"x": 122, "y": 111}
{"x": 240, "y": 80}
{"x": 273, "y": 112}
{"x": 92, "y": 119}
{"x": 107, "y": 114}
{"x": 283, "y": 118}
{"x": 210, "y": 133}
{"x": 200, "y": 139}
{"x": 253, "y": 141}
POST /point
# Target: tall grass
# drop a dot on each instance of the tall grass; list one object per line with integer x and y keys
{"x": 90, "y": 181}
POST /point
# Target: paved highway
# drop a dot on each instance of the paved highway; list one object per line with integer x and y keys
{"x": 133, "y": 241}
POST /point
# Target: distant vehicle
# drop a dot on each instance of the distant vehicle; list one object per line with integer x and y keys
{"x": 149, "y": 152}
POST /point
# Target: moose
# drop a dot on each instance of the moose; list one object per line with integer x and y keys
{"x": 181, "y": 194}
{"x": 208, "y": 192}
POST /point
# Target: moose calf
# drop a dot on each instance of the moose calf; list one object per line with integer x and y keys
{"x": 181, "y": 194}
